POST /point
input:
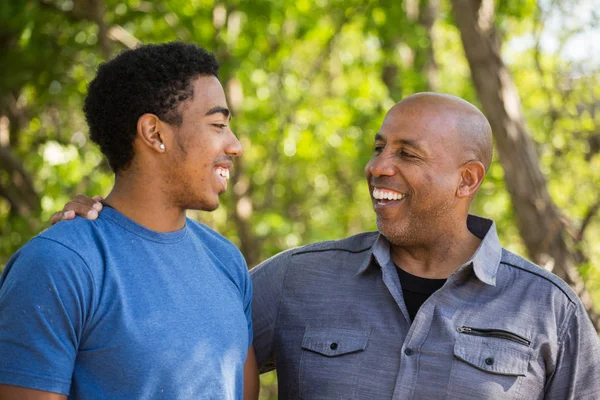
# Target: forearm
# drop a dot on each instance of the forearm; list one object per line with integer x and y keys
{"x": 8, "y": 392}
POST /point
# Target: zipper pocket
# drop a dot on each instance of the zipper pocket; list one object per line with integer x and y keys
{"x": 497, "y": 333}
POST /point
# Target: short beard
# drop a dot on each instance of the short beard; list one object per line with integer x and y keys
{"x": 422, "y": 229}
{"x": 397, "y": 234}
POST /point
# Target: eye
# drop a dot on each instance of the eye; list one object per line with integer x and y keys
{"x": 407, "y": 155}
{"x": 220, "y": 126}
{"x": 379, "y": 148}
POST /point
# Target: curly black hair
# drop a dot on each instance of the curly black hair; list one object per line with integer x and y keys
{"x": 153, "y": 78}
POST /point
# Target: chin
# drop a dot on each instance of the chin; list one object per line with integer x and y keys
{"x": 395, "y": 234}
{"x": 210, "y": 207}
{"x": 204, "y": 205}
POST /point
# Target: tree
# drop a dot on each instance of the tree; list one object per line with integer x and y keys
{"x": 541, "y": 224}
{"x": 309, "y": 83}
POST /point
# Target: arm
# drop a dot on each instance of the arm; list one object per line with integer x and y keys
{"x": 8, "y": 392}
{"x": 81, "y": 205}
{"x": 251, "y": 381}
{"x": 45, "y": 297}
{"x": 267, "y": 280}
{"x": 577, "y": 373}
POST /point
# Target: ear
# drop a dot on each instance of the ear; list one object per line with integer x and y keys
{"x": 148, "y": 130}
{"x": 471, "y": 176}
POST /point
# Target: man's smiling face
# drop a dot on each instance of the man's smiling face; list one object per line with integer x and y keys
{"x": 201, "y": 161}
{"x": 414, "y": 173}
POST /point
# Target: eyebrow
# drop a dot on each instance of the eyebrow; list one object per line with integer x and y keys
{"x": 408, "y": 142}
{"x": 218, "y": 109}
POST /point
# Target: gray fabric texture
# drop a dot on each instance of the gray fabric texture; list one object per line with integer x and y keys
{"x": 331, "y": 318}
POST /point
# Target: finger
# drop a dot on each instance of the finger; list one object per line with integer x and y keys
{"x": 61, "y": 215}
{"x": 91, "y": 202}
{"x": 85, "y": 200}
{"x": 83, "y": 210}
{"x": 98, "y": 205}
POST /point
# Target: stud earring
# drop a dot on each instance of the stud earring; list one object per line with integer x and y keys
{"x": 161, "y": 146}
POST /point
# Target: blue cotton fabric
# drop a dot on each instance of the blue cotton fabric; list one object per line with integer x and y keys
{"x": 108, "y": 309}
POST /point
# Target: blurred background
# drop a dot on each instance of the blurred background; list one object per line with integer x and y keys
{"x": 309, "y": 83}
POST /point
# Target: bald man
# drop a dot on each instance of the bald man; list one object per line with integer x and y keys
{"x": 430, "y": 306}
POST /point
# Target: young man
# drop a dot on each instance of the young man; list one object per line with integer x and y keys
{"x": 430, "y": 306}
{"x": 142, "y": 302}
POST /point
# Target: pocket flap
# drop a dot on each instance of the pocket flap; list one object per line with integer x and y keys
{"x": 495, "y": 356}
{"x": 334, "y": 342}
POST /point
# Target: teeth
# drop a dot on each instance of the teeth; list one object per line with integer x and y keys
{"x": 381, "y": 194}
{"x": 224, "y": 172}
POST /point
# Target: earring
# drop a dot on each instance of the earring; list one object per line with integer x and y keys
{"x": 161, "y": 146}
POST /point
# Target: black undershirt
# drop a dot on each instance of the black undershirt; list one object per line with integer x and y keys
{"x": 416, "y": 290}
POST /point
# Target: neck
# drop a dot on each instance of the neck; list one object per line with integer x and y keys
{"x": 143, "y": 201}
{"x": 439, "y": 258}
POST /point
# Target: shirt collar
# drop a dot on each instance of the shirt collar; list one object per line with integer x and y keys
{"x": 485, "y": 260}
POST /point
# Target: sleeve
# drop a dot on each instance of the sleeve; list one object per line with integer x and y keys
{"x": 247, "y": 294}
{"x": 45, "y": 294}
{"x": 577, "y": 374}
{"x": 268, "y": 282}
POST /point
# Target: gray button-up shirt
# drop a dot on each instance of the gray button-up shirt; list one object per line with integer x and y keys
{"x": 331, "y": 318}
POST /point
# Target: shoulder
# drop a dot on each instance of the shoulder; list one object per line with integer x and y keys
{"x": 66, "y": 239}
{"x": 209, "y": 235}
{"x": 353, "y": 244}
{"x": 79, "y": 235}
{"x": 69, "y": 247}
{"x": 214, "y": 242}
{"x": 49, "y": 257}
{"x": 538, "y": 277}
{"x": 309, "y": 255}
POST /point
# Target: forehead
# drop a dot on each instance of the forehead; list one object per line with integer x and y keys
{"x": 431, "y": 133}
{"x": 417, "y": 124}
{"x": 208, "y": 94}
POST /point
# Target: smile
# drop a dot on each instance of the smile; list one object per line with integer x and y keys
{"x": 223, "y": 172}
{"x": 386, "y": 194}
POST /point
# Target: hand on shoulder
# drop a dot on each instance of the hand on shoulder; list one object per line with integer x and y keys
{"x": 81, "y": 205}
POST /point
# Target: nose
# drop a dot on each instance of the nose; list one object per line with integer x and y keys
{"x": 380, "y": 165}
{"x": 234, "y": 147}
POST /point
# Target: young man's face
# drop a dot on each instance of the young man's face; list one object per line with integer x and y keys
{"x": 204, "y": 146}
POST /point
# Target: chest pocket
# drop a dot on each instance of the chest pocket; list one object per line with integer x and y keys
{"x": 330, "y": 363}
{"x": 487, "y": 367}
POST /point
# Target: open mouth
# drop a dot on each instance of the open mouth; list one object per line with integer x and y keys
{"x": 223, "y": 174}
{"x": 386, "y": 196}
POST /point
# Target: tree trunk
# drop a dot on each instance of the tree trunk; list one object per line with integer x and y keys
{"x": 540, "y": 222}
{"x": 19, "y": 189}
{"x": 427, "y": 17}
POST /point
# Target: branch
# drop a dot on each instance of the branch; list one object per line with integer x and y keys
{"x": 287, "y": 118}
{"x": 98, "y": 11}
{"x": 591, "y": 213}
{"x": 94, "y": 11}
{"x": 24, "y": 197}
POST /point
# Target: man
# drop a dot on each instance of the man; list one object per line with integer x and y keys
{"x": 142, "y": 302}
{"x": 430, "y": 306}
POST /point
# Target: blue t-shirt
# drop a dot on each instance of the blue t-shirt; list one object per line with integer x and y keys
{"x": 108, "y": 309}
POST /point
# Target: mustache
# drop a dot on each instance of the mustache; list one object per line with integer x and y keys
{"x": 380, "y": 181}
{"x": 387, "y": 182}
{"x": 226, "y": 159}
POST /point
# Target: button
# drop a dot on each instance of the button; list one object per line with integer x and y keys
{"x": 333, "y": 346}
{"x": 408, "y": 351}
{"x": 489, "y": 361}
